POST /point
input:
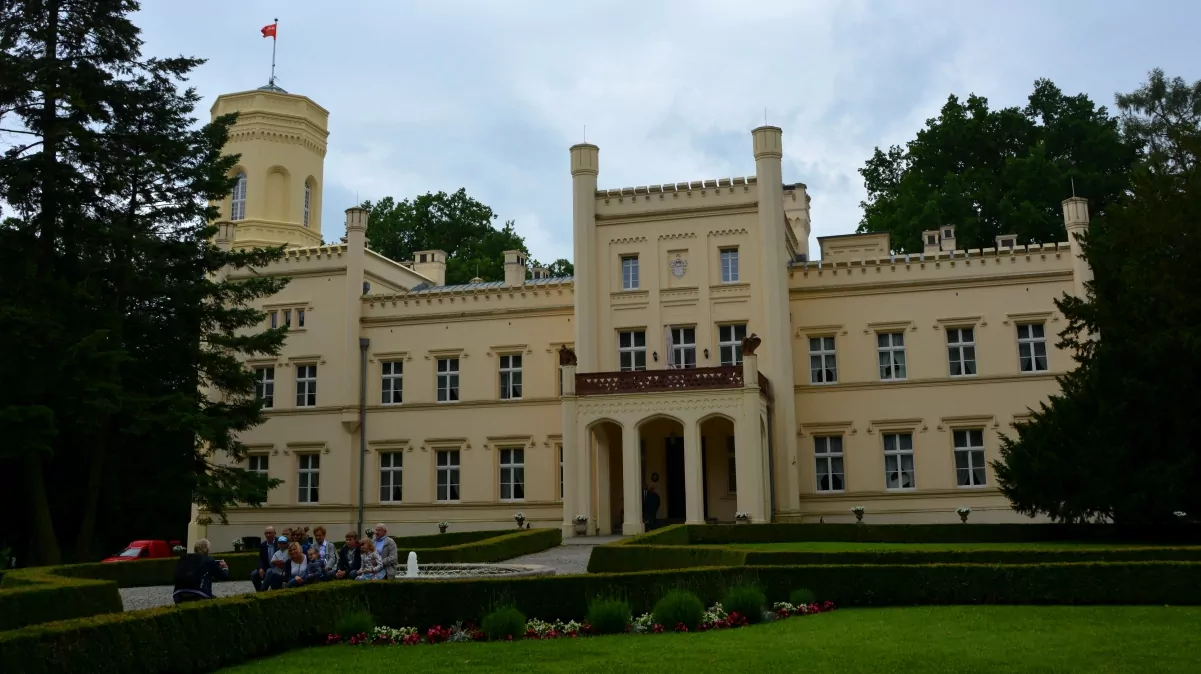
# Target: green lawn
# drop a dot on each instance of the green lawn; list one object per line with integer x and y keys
{"x": 921, "y": 639}
{"x": 834, "y": 546}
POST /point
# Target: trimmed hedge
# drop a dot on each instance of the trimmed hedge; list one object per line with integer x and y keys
{"x": 203, "y": 636}
{"x": 495, "y": 548}
{"x": 930, "y": 533}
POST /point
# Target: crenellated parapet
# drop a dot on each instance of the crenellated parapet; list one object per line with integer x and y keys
{"x": 537, "y": 296}
{"x": 698, "y": 194}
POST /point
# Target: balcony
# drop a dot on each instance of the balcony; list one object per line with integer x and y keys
{"x": 653, "y": 381}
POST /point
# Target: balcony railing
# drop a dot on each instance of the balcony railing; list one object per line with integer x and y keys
{"x": 648, "y": 381}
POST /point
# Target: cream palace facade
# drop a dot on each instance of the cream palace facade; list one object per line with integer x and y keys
{"x": 879, "y": 380}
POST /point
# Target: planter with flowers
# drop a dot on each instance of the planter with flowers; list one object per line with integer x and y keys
{"x": 520, "y": 519}
{"x": 442, "y": 526}
{"x": 239, "y": 544}
{"x": 742, "y": 517}
{"x": 963, "y": 512}
{"x": 581, "y": 524}
{"x": 858, "y": 511}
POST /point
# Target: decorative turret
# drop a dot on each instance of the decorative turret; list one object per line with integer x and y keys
{"x": 281, "y": 140}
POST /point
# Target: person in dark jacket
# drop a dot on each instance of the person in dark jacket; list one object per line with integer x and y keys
{"x": 194, "y": 574}
{"x": 349, "y": 559}
{"x": 650, "y": 507}
{"x": 266, "y": 551}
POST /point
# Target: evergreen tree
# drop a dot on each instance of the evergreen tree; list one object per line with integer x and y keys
{"x": 113, "y": 309}
{"x": 1119, "y": 441}
{"x": 993, "y": 172}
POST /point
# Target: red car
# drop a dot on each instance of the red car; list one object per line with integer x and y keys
{"x": 145, "y": 550}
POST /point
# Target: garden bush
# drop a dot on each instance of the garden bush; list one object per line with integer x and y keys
{"x": 802, "y": 596}
{"x": 504, "y": 623}
{"x": 747, "y": 600}
{"x": 609, "y": 616}
{"x": 354, "y": 623}
{"x": 679, "y": 607}
{"x": 497, "y": 546}
{"x": 717, "y": 534}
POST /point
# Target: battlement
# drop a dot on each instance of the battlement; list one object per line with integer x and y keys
{"x": 1050, "y": 258}
{"x": 484, "y": 299}
{"x": 713, "y": 193}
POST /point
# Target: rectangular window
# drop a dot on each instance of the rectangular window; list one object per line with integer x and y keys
{"x": 448, "y": 380}
{"x": 287, "y": 318}
{"x": 969, "y": 457}
{"x": 823, "y": 366}
{"x": 898, "y": 461}
{"x": 827, "y": 451}
{"x": 560, "y": 448}
{"x": 891, "y": 347}
{"x": 731, "y": 466}
{"x": 391, "y": 472}
{"x": 729, "y": 265}
{"x": 393, "y": 382}
{"x": 729, "y": 343}
{"x": 274, "y": 317}
{"x": 257, "y": 463}
{"x": 1032, "y": 347}
{"x": 448, "y": 475}
{"x": 510, "y": 377}
{"x": 682, "y": 354}
{"x": 961, "y": 351}
{"x": 631, "y": 350}
{"x": 309, "y": 478}
{"x": 300, "y": 318}
{"x": 512, "y": 474}
{"x": 306, "y": 385}
{"x": 629, "y": 272}
{"x": 264, "y": 385}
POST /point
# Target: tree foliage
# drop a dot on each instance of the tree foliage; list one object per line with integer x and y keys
{"x": 1119, "y": 441}
{"x": 993, "y": 172}
{"x": 114, "y": 313}
{"x": 455, "y": 223}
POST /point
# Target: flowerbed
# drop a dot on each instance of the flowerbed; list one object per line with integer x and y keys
{"x": 715, "y": 618}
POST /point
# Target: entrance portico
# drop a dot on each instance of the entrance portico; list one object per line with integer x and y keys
{"x": 694, "y": 435}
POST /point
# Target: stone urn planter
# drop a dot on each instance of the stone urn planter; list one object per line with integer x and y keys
{"x": 442, "y": 526}
{"x": 742, "y": 518}
{"x": 581, "y": 525}
{"x": 858, "y": 512}
{"x": 520, "y": 519}
{"x": 963, "y": 513}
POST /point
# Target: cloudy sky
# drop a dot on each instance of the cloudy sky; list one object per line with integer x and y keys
{"x": 440, "y": 94}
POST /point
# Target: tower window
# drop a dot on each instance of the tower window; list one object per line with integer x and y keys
{"x": 308, "y": 199}
{"x": 237, "y": 209}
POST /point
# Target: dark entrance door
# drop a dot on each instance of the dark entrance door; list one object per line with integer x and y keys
{"x": 675, "y": 478}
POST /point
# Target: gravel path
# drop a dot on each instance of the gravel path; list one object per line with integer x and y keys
{"x": 571, "y": 557}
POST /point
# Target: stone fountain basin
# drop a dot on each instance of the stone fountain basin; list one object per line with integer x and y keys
{"x": 453, "y": 571}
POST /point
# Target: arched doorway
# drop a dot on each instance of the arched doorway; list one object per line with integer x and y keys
{"x": 719, "y": 457}
{"x": 663, "y": 468}
{"x": 605, "y": 456}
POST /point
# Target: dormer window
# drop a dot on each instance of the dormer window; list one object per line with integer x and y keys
{"x": 932, "y": 240}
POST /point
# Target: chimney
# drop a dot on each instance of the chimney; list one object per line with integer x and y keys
{"x": 431, "y": 264}
{"x": 931, "y": 242}
{"x": 540, "y": 272}
{"x": 947, "y": 240}
{"x": 514, "y": 268}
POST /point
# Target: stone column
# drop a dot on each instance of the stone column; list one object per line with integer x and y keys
{"x": 748, "y": 444}
{"x": 631, "y": 480}
{"x": 571, "y": 449}
{"x": 777, "y": 325}
{"x": 694, "y": 486}
{"x": 584, "y": 169}
{"x": 1075, "y": 220}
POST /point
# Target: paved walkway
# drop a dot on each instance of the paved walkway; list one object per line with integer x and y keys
{"x": 569, "y": 558}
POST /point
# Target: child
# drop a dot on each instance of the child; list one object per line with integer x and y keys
{"x": 371, "y": 567}
{"x": 316, "y": 570}
{"x": 277, "y": 575}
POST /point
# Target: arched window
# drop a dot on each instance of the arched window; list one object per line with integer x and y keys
{"x": 308, "y": 199}
{"x": 237, "y": 209}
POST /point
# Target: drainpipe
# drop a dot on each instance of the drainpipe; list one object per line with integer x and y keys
{"x": 771, "y": 469}
{"x": 363, "y": 344}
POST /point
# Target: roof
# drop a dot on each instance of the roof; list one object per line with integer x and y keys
{"x": 424, "y": 288}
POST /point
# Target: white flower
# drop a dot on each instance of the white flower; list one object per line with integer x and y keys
{"x": 580, "y": 518}
{"x": 742, "y": 515}
{"x": 519, "y": 516}
{"x": 858, "y": 509}
{"x": 963, "y": 510}
{"x": 1180, "y": 514}
{"x": 444, "y": 523}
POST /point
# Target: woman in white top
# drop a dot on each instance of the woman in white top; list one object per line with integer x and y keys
{"x": 297, "y": 567}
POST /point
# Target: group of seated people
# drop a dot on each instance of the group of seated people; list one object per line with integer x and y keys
{"x": 291, "y": 560}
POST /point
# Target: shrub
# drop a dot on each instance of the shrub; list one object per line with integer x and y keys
{"x": 802, "y": 596}
{"x": 746, "y": 600}
{"x": 609, "y": 616}
{"x": 496, "y": 547}
{"x": 679, "y": 607}
{"x": 504, "y": 623}
{"x": 354, "y": 623}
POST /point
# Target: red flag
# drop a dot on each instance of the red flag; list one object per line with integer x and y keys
{"x": 269, "y": 30}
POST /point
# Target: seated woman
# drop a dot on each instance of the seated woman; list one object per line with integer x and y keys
{"x": 195, "y": 572}
{"x": 371, "y": 567}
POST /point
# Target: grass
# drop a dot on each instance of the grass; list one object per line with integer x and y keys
{"x": 926, "y": 639}
{"x": 836, "y": 546}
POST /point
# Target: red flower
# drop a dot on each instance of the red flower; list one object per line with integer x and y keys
{"x": 656, "y": 628}
{"x": 508, "y": 637}
{"x": 681, "y": 627}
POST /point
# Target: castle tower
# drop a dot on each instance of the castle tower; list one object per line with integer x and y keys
{"x": 281, "y": 139}
{"x": 585, "y": 165}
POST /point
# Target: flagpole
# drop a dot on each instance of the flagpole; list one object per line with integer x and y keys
{"x": 274, "y": 39}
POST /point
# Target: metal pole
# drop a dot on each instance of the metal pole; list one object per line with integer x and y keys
{"x": 274, "y": 39}
{"x": 363, "y": 344}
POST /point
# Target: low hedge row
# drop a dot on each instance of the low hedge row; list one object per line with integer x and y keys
{"x": 495, "y": 548}
{"x": 206, "y": 635}
{"x": 929, "y": 533}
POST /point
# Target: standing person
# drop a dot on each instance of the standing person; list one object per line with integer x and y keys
{"x": 650, "y": 508}
{"x": 266, "y": 551}
{"x": 349, "y": 558}
{"x": 195, "y": 572}
{"x": 326, "y": 552}
{"x": 385, "y": 547}
{"x": 373, "y": 567}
